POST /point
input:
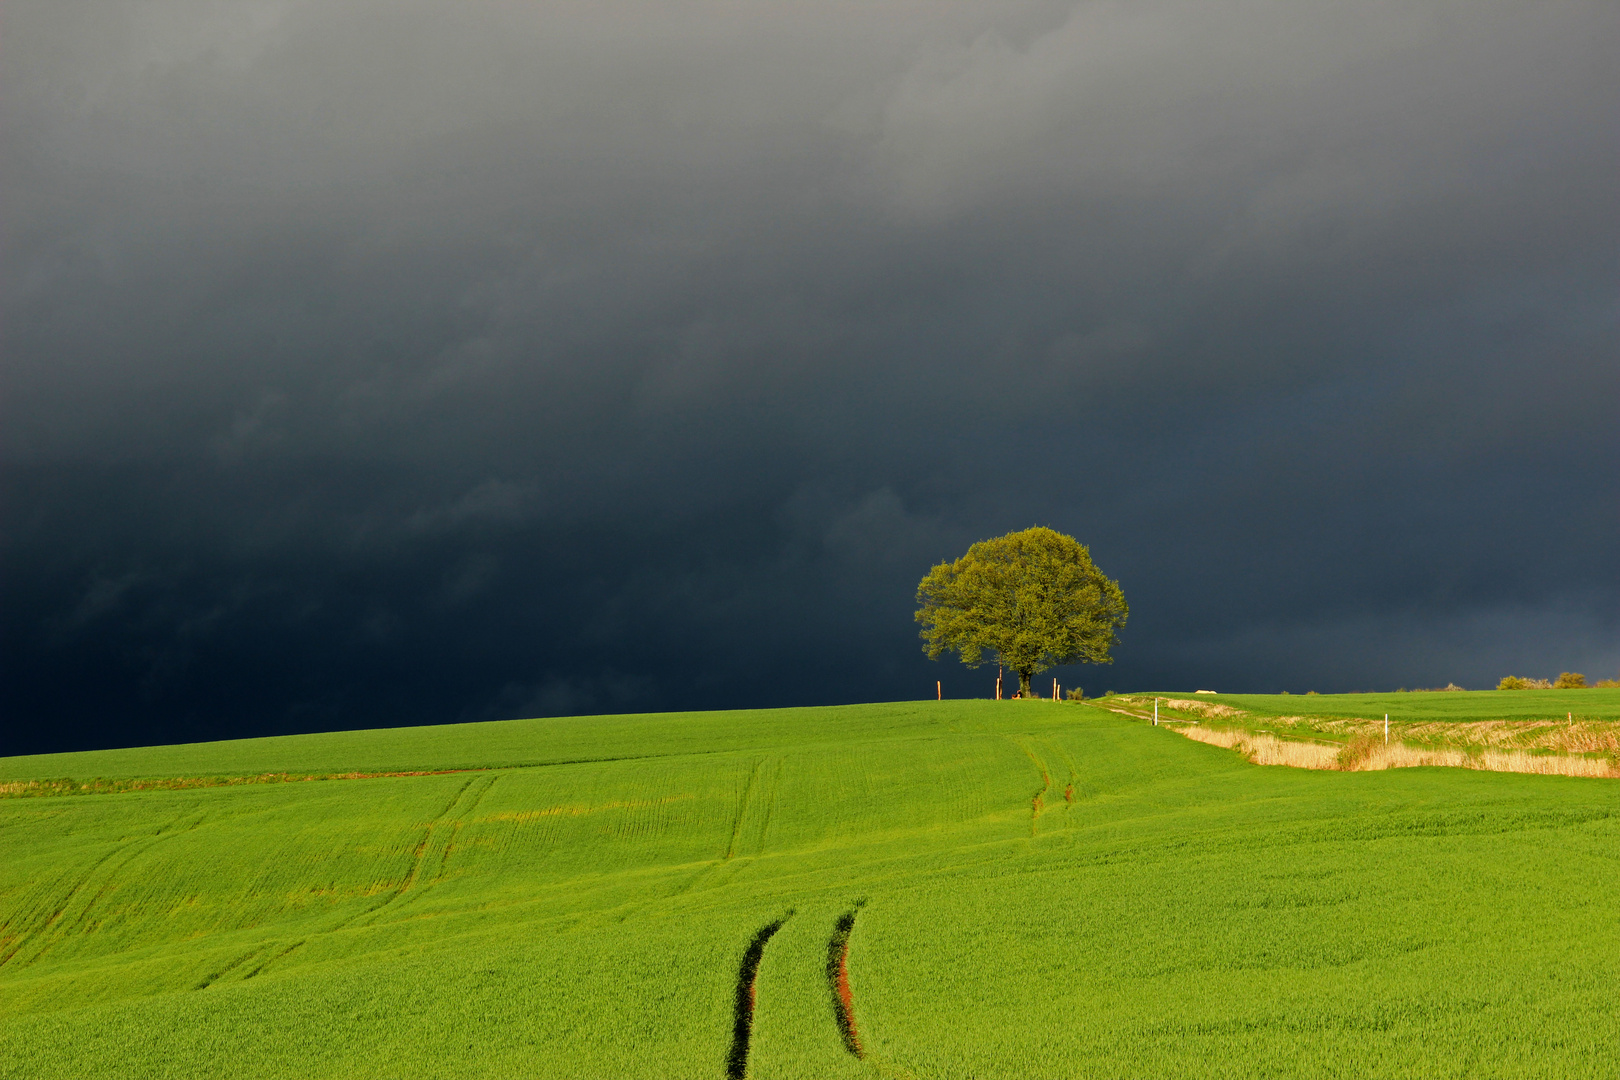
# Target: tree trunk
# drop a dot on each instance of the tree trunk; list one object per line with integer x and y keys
{"x": 1023, "y": 683}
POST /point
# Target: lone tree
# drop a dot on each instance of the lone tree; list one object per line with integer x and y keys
{"x": 1030, "y": 600}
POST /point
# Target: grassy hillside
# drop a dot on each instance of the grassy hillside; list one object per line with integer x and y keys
{"x": 1026, "y": 889}
{"x": 1432, "y": 705}
{"x": 1576, "y": 732}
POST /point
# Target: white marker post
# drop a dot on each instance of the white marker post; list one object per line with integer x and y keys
{"x": 939, "y": 690}
{"x": 1054, "y": 689}
{"x": 1155, "y": 712}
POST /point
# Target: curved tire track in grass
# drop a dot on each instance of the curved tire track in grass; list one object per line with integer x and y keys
{"x": 58, "y": 924}
{"x": 419, "y": 856}
{"x": 460, "y": 820}
{"x": 1057, "y": 750}
{"x": 284, "y": 952}
{"x": 742, "y": 810}
{"x": 1037, "y": 804}
{"x": 742, "y": 1029}
{"x": 770, "y": 808}
{"x": 450, "y": 816}
{"x": 843, "y": 1000}
{"x": 218, "y": 974}
{"x": 23, "y": 936}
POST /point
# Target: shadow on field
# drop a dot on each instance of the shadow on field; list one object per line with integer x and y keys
{"x": 843, "y": 1000}
{"x": 743, "y": 1018}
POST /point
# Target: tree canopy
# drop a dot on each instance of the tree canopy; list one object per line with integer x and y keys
{"x": 1029, "y": 600}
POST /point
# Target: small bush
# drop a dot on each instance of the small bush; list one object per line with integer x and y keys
{"x": 1357, "y": 751}
{"x": 1077, "y": 694}
{"x": 1608, "y": 684}
{"x": 1311, "y": 693}
{"x": 1570, "y": 680}
{"x": 1513, "y": 682}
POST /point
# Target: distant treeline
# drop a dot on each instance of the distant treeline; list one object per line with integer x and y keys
{"x": 1569, "y": 680}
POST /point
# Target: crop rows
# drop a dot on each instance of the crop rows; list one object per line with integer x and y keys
{"x": 1046, "y": 889}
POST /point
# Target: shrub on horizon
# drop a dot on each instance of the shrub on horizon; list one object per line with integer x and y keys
{"x": 1513, "y": 682}
{"x": 1570, "y": 680}
{"x": 1607, "y": 684}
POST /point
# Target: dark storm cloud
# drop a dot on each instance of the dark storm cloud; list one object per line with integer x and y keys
{"x": 373, "y": 363}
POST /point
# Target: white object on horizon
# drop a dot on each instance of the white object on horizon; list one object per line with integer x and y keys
{"x": 1203, "y": 691}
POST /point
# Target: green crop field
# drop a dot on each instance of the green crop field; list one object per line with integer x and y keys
{"x": 954, "y": 889}
{"x": 1424, "y": 706}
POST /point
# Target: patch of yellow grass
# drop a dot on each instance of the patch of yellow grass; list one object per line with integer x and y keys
{"x": 1202, "y": 708}
{"x": 1399, "y": 755}
{"x": 1263, "y": 749}
{"x": 104, "y": 786}
{"x": 519, "y": 817}
{"x": 1558, "y": 736}
{"x": 1365, "y": 755}
{"x": 1209, "y": 709}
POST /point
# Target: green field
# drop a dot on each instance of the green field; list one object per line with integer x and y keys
{"x": 1434, "y": 705}
{"x": 1027, "y": 889}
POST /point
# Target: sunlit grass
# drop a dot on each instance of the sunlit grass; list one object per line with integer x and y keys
{"x": 1042, "y": 890}
{"x": 1567, "y": 733}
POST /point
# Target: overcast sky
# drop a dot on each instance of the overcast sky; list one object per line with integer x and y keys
{"x": 375, "y": 362}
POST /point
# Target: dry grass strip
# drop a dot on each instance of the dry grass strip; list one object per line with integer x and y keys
{"x": 1580, "y": 736}
{"x": 22, "y": 789}
{"x": 1363, "y": 754}
{"x": 1209, "y": 710}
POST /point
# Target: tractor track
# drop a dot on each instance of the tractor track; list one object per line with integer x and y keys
{"x": 742, "y": 1030}
{"x": 843, "y": 999}
{"x": 126, "y": 852}
{"x": 479, "y": 787}
{"x": 1037, "y": 803}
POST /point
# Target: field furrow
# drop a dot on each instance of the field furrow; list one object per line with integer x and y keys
{"x": 842, "y": 998}
{"x": 742, "y": 1029}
